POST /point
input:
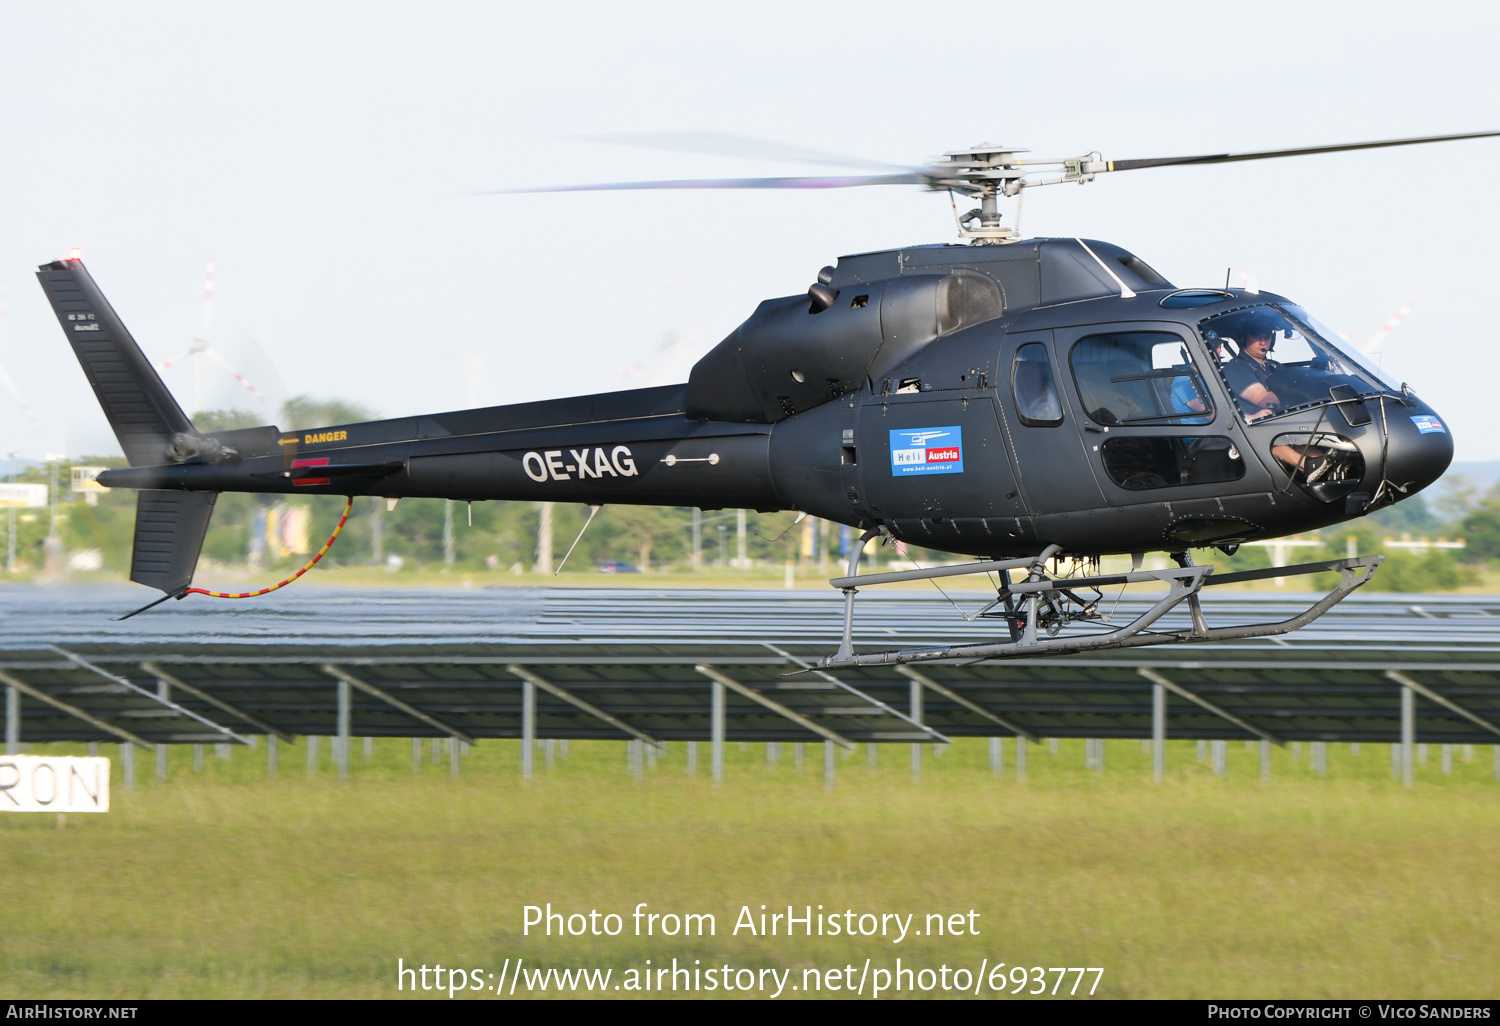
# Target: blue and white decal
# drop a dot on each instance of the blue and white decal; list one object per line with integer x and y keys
{"x": 933, "y": 450}
{"x": 1427, "y": 424}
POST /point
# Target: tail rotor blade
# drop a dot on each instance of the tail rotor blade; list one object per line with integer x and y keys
{"x": 189, "y": 351}
{"x": 11, "y": 387}
{"x": 213, "y": 355}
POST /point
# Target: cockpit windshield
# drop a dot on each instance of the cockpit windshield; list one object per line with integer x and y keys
{"x": 1277, "y": 358}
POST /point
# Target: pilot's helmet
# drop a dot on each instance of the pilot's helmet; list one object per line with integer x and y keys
{"x": 1240, "y": 327}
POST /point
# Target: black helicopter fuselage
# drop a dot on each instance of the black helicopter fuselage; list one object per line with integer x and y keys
{"x": 901, "y": 396}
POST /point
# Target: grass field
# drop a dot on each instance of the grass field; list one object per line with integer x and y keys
{"x": 226, "y": 884}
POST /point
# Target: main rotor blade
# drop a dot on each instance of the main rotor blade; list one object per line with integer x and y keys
{"x": 1226, "y": 158}
{"x": 727, "y": 144}
{"x": 843, "y": 182}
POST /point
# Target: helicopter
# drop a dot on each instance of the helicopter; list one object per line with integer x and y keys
{"x": 1035, "y": 403}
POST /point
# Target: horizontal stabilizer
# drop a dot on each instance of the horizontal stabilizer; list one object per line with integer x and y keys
{"x": 169, "y": 530}
{"x": 142, "y": 412}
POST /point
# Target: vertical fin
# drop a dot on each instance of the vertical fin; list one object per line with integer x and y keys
{"x": 138, "y": 405}
{"x": 169, "y": 530}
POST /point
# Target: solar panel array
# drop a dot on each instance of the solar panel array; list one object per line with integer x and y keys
{"x": 643, "y": 663}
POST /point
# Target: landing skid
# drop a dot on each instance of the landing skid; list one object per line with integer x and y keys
{"x": 1045, "y": 604}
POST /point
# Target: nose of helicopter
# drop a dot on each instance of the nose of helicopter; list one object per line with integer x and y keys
{"x": 1418, "y": 449}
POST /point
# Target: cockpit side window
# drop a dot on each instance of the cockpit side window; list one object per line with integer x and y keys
{"x": 1033, "y": 387}
{"x": 1134, "y": 377}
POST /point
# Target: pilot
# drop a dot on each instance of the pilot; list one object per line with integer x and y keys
{"x": 1248, "y": 376}
{"x": 1248, "y": 373}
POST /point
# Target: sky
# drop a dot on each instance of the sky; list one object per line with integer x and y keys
{"x": 333, "y": 160}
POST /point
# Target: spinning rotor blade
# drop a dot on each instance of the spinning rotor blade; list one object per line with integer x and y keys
{"x": 216, "y": 358}
{"x": 1226, "y": 158}
{"x": 11, "y": 386}
{"x": 1386, "y": 329}
{"x": 189, "y": 351}
{"x": 843, "y": 182}
{"x": 726, "y": 144}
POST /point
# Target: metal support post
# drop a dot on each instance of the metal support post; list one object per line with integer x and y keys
{"x": 416, "y": 755}
{"x": 161, "y": 762}
{"x": 341, "y": 746}
{"x": 716, "y": 731}
{"x": 448, "y": 553}
{"x": 12, "y": 719}
{"x": 127, "y": 765}
{"x": 197, "y": 758}
{"x": 312, "y": 754}
{"x": 271, "y": 741}
{"x": 797, "y": 756}
{"x": 1020, "y": 758}
{"x": 1158, "y": 732}
{"x": 528, "y": 728}
{"x": 692, "y": 758}
{"x": 828, "y": 747}
{"x": 549, "y": 748}
{"x": 997, "y": 754}
{"x": 696, "y": 559}
{"x": 1221, "y": 758}
{"x": 1265, "y": 762}
{"x": 369, "y": 746}
{"x": 1447, "y": 752}
{"x": 872, "y": 755}
{"x": 453, "y": 743}
{"x": 741, "y": 559}
{"x": 1408, "y": 732}
{"x": 916, "y": 715}
{"x": 650, "y": 752}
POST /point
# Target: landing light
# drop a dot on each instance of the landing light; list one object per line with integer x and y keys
{"x": 75, "y": 253}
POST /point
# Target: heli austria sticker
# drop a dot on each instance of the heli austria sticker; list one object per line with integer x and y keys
{"x": 1427, "y": 424}
{"x": 933, "y": 450}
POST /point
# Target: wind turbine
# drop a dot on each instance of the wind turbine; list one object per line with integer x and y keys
{"x": 1386, "y": 328}
{"x": 4, "y": 374}
{"x": 201, "y": 347}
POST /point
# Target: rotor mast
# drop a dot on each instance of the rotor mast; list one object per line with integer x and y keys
{"x": 985, "y": 172}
